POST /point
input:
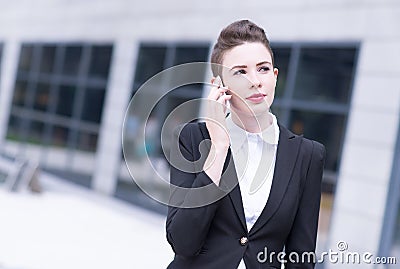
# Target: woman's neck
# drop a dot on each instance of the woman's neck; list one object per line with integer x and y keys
{"x": 252, "y": 123}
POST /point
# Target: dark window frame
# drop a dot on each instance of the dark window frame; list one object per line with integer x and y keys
{"x": 292, "y": 72}
{"x": 56, "y": 78}
{"x": 131, "y": 192}
{"x": 288, "y": 102}
{"x": 169, "y": 58}
{"x": 171, "y": 48}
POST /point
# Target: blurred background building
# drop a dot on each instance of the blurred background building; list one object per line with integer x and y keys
{"x": 69, "y": 69}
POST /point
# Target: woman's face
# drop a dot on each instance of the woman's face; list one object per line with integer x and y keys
{"x": 250, "y": 77}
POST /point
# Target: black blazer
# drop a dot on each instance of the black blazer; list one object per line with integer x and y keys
{"x": 215, "y": 236}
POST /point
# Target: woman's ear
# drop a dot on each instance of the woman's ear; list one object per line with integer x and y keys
{"x": 276, "y": 72}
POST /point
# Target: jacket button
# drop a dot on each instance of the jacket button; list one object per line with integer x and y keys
{"x": 243, "y": 241}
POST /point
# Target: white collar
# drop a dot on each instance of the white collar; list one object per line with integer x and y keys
{"x": 269, "y": 135}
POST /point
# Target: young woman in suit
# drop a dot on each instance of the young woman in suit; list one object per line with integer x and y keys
{"x": 262, "y": 183}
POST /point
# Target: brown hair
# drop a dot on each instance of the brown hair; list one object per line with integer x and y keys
{"x": 235, "y": 34}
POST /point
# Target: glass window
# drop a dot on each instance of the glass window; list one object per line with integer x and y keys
{"x": 59, "y": 136}
{"x": 188, "y": 54}
{"x": 153, "y": 58}
{"x": 25, "y": 58}
{"x": 72, "y": 60}
{"x": 36, "y": 131}
{"x": 14, "y": 126}
{"x": 325, "y": 74}
{"x": 19, "y": 93}
{"x": 100, "y": 61}
{"x": 42, "y": 97}
{"x": 150, "y": 61}
{"x": 318, "y": 102}
{"x": 62, "y": 100}
{"x": 93, "y": 104}
{"x": 66, "y": 98}
{"x": 281, "y": 59}
{"x": 313, "y": 98}
{"x": 87, "y": 141}
{"x": 47, "y": 59}
{"x": 277, "y": 111}
{"x": 325, "y": 128}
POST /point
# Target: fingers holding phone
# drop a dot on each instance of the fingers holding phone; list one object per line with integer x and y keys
{"x": 218, "y": 93}
{"x": 216, "y": 109}
{"x": 216, "y": 125}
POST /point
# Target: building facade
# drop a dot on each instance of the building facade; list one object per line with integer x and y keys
{"x": 69, "y": 69}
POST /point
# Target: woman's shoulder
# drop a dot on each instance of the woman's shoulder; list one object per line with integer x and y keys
{"x": 316, "y": 148}
{"x": 195, "y": 130}
{"x": 308, "y": 145}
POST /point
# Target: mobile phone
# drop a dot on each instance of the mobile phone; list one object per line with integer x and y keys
{"x": 218, "y": 81}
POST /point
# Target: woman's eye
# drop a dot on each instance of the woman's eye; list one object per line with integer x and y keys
{"x": 263, "y": 69}
{"x": 239, "y": 72}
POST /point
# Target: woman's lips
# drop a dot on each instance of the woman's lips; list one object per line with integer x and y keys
{"x": 256, "y": 98}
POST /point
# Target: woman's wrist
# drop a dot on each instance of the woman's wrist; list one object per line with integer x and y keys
{"x": 215, "y": 162}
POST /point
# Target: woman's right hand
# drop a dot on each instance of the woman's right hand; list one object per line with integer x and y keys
{"x": 216, "y": 126}
{"x": 215, "y": 114}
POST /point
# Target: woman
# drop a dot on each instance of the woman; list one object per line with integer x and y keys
{"x": 273, "y": 203}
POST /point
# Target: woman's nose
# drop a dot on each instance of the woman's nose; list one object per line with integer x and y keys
{"x": 254, "y": 81}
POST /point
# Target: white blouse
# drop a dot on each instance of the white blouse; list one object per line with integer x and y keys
{"x": 254, "y": 155}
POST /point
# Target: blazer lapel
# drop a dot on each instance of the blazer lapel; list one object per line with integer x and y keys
{"x": 230, "y": 175}
{"x": 230, "y": 182}
{"x": 236, "y": 199}
{"x": 287, "y": 152}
